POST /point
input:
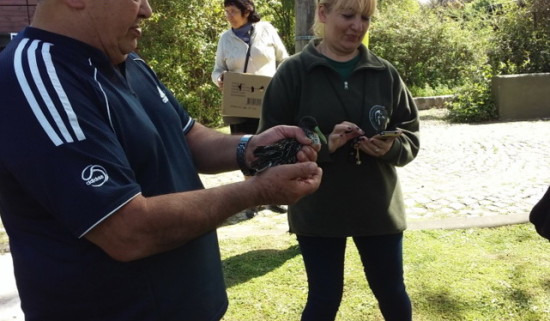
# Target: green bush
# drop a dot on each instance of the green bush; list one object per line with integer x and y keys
{"x": 437, "y": 49}
{"x": 522, "y": 38}
{"x": 474, "y": 101}
{"x": 430, "y": 47}
{"x": 519, "y": 43}
{"x": 428, "y": 91}
{"x": 179, "y": 43}
{"x": 281, "y": 14}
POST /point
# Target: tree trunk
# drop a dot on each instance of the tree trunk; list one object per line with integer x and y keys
{"x": 305, "y": 12}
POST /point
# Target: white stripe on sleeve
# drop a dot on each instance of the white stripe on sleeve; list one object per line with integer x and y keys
{"x": 73, "y": 120}
{"x": 44, "y": 92}
{"x": 18, "y": 65}
{"x": 45, "y": 95}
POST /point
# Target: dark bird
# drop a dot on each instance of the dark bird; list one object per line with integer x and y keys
{"x": 285, "y": 150}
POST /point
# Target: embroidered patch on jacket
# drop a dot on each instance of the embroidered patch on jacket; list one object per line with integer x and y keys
{"x": 379, "y": 118}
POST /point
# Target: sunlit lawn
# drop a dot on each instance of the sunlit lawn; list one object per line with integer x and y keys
{"x": 475, "y": 274}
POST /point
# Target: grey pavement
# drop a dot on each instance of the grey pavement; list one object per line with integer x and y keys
{"x": 9, "y": 298}
{"x": 466, "y": 175}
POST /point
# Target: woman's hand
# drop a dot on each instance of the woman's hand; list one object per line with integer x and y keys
{"x": 375, "y": 146}
{"x": 220, "y": 80}
{"x": 341, "y": 134}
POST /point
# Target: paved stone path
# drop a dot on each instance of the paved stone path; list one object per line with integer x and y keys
{"x": 466, "y": 171}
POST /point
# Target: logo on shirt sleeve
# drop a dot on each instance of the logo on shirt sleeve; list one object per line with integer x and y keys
{"x": 162, "y": 95}
{"x": 94, "y": 175}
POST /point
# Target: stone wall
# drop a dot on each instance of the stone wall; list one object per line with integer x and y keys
{"x": 524, "y": 96}
{"x": 432, "y": 102}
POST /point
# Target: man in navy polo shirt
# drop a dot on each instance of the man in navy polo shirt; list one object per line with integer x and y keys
{"x": 99, "y": 191}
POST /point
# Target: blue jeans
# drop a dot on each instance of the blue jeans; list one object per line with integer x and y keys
{"x": 382, "y": 258}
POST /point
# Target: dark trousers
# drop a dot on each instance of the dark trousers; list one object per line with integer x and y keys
{"x": 382, "y": 258}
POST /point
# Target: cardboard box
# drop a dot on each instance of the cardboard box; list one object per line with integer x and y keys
{"x": 243, "y": 94}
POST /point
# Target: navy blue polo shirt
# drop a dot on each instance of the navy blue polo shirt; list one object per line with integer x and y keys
{"x": 81, "y": 138}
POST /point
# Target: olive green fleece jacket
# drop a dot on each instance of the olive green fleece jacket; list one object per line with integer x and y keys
{"x": 353, "y": 200}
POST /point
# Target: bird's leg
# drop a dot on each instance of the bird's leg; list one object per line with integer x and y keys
{"x": 355, "y": 151}
{"x": 357, "y": 156}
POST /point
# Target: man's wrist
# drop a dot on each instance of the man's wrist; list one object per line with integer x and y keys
{"x": 241, "y": 156}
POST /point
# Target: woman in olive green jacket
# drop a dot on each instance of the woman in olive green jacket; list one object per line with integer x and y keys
{"x": 354, "y": 95}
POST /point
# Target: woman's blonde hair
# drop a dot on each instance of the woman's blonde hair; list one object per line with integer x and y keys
{"x": 366, "y": 7}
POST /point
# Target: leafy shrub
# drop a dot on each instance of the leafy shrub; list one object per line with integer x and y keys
{"x": 428, "y": 91}
{"x": 281, "y": 14}
{"x": 436, "y": 49}
{"x": 179, "y": 43}
{"x": 522, "y": 38}
{"x": 474, "y": 101}
{"x": 430, "y": 47}
{"x": 520, "y": 43}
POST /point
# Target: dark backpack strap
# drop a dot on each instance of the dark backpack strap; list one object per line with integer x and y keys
{"x": 248, "y": 51}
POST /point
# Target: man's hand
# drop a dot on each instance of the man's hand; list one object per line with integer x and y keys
{"x": 308, "y": 153}
{"x": 286, "y": 184}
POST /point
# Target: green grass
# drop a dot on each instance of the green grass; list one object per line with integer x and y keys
{"x": 475, "y": 274}
{"x": 495, "y": 274}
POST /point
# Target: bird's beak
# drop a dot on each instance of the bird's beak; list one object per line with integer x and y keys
{"x": 320, "y": 134}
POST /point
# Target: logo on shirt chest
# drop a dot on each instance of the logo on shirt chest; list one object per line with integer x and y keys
{"x": 94, "y": 175}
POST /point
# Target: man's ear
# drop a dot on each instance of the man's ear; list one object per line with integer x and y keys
{"x": 75, "y": 4}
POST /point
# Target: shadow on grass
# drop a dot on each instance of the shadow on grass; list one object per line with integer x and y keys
{"x": 441, "y": 303}
{"x": 516, "y": 292}
{"x": 235, "y": 219}
{"x": 521, "y": 296}
{"x": 241, "y": 268}
{"x": 240, "y": 217}
{"x": 546, "y": 284}
{"x": 513, "y": 298}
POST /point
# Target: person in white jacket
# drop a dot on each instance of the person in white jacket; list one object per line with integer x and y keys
{"x": 267, "y": 50}
{"x": 249, "y": 46}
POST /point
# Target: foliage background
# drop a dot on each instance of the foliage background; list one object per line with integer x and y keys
{"x": 180, "y": 43}
{"x": 430, "y": 47}
{"x": 447, "y": 47}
